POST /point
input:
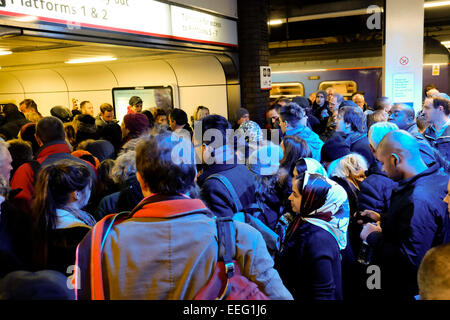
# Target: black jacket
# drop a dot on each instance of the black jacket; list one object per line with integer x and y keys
{"x": 416, "y": 221}
{"x": 15, "y": 240}
{"x": 124, "y": 200}
{"x": 217, "y": 197}
{"x": 375, "y": 191}
{"x": 359, "y": 143}
{"x": 310, "y": 264}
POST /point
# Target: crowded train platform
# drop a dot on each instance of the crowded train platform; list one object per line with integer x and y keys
{"x": 188, "y": 167}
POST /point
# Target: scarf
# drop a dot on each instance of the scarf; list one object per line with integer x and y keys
{"x": 333, "y": 216}
{"x": 314, "y": 166}
{"x": 70, "y": 218}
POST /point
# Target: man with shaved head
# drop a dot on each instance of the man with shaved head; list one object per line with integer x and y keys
{"x": 403, "y": 116}
{"x": 416, "y": 220}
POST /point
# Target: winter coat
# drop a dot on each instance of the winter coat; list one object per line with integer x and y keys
{"x": 310, "y": 264}
{"x": 24, "y": 176}
{"x": 170, "y": 251}
{"x": 375, "y": 191}
{"x": 270, "y": 205}
{"x": 416, "y": 221}
{"x": 359, "y": 143}
{"x": 217, "y": 197}
{"x": 10, "y": 241}
{"x": 311, "y": 138}
{"x": 62, "y": 248}
{"x": 441, "y": 143}
{"x": 124, "y": 200}
{"x": 313, "y": 123}
{"x": 426, "y": 151}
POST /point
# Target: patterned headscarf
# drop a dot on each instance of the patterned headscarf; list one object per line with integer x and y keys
{"x": 333, "y": 215}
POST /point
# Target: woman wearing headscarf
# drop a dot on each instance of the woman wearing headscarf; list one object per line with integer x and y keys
{"x": 308, "y": 164}
{"x": 309, "y": 260}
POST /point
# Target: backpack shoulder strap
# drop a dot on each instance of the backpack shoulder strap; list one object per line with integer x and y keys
{"x": 230, "y": 188}
{"x": 226, "y": 242}
{"x": 89, "y": 285}
{"x": 227, "y": 251}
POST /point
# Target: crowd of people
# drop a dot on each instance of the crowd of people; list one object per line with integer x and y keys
{"x": 129, "y": 211}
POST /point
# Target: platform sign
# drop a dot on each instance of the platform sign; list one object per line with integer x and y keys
{"x": 403, "y": 88}
{"x": 142, "y": 17}
{"x": 266, "y": 78}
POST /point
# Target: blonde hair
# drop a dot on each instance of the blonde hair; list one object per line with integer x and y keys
{"x": 33, "y": 117}
{"x": 351, "y": 167}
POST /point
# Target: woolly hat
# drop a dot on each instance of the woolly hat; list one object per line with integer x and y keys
{"x": 334, "y": 148}
{"x": 266, "y": 160}
{"x": 250, "y": 130}
{"x": 241, "y": 112}
{"x": 61, "y": 113}
{"x": 101, "y": 149}
{"x": 137, "y": 123}
{"x": 88, "y": 157}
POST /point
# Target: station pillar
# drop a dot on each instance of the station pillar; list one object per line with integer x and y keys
{"x": 403, "y": 51}
{"x": 253, "y": 39}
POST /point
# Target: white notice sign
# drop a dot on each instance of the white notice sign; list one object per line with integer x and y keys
{"x": 266, "y": 78}
{"x": 193, "y": 24}
{"x": 403, "y": 87}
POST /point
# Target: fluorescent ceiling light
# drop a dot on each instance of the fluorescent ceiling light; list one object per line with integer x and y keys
{"x": 275, "y": 22}
{"x": 295, "y": 71}
{"x": 26, "y": 19}
{"x": 433, "y": 4}
{"x": 433, "y": 64}
{"x": 4, "y": 53}
{"x": 446, "y": 43}
{"x": 87, "y": 60}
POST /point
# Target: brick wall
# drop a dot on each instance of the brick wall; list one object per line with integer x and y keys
{"x": 253, "y": 52}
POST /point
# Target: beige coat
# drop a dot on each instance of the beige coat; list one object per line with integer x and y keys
{"x": 173, "y": 258}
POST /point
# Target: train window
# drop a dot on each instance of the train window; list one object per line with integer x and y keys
{"x": 158, "y": 96}
{"x": 345, "y": 87}
{"x": 287, "y": 89}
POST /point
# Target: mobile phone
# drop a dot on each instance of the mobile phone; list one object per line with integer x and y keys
{"x": 365, "y": 219}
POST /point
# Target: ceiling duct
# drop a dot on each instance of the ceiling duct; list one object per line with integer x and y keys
{"x": 6, "y": 32}
{"x": 434, "y": 46}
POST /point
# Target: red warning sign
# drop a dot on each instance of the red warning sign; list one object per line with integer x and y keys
{"x": 404, "y": 61}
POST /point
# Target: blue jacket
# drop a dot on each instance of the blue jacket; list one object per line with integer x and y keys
{"x": 442, "y": 143}
{"x": 216, "y": 196}
{"x": 311, "y": 138}
{"x": 426, "y": 151}
{"x": 416, "y": 221}
{"x": 310, "y": 264}
{"x": 375, "y": 191}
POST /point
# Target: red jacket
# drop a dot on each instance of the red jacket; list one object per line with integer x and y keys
{"x": 24, "y": 176}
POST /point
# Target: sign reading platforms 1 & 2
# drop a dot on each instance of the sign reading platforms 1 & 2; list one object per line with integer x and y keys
{"x": 143, "y": 17}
